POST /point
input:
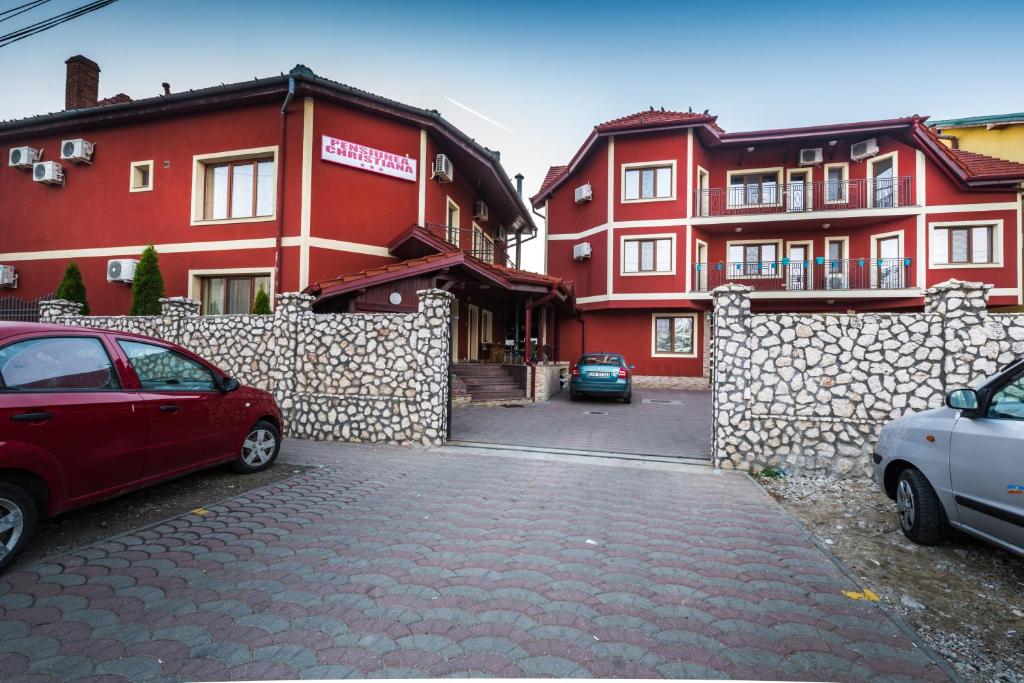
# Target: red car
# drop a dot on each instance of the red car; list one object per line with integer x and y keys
{"x": 90, "y": 414}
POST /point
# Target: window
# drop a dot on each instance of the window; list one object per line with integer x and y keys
{"x": 1008, "y": 402}
{"x": 231, "y": 294}
{"x": 753, "y": 188}
{"x": 753, "y": 259}
{"x": 647, "y": 183}
{"x": 141, "y": 176}
{"x": 486, "y": 326}
{"x": 647, "y": 255}
{"x": 161, "y": 369}
{"x": 452, "y": 223}
{"x": 238, "y": 189}
{"x": 883, "y": 174}
{"x": 483, "y": 246}
{"x": 56, "y": 364}
{"x": 674, "y": 335}
{"x": 963, "y": 244}
{"x": 836, "y": 183}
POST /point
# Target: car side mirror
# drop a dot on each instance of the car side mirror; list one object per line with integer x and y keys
{"x": 962, "y": 399}
{"x": 229, "y": 384}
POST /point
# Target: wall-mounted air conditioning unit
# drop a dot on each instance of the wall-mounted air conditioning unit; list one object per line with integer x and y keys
{"x": 582, "y": 251}
{"x": 23, "y": 157}
{"x": 49, "y": 172}
{"x": 863, "y": 150}
{"x": 8, "y": 276}
{"x": 584, "y": 193}
{"x": 121, "y": 270}
{"x": 810, "y": 157}
{"x": 76, "y": 150}
{"x": 443, "y": 170}
{"x": 480, "y": 211}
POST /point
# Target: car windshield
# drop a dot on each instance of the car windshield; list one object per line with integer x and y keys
{"x": 601, "y": 359}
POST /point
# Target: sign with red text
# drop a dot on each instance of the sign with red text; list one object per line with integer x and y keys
{"x": 367, "y": 158}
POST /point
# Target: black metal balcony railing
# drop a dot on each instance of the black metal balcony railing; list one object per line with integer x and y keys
{"x": 767, "y": 198}
{"x": 802, "y": 276}
{"x": 472, "y": 241}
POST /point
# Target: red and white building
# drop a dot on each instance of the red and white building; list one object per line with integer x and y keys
{"x": 658, "y": 208}
{"x": 278, "y": 183}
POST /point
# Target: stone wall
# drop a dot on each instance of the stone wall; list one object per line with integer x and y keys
{"x": 808, "y": 393}
{"x": 549, "y": 379}
{"x": 349, "y": 377}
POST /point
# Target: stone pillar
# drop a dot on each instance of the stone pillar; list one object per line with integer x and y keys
{"x": 730, "y": 374}
{"x": 963, "y": 307}
{"x": 52, "y": 310}
{"x": 433, "y": 348}
{"x": 293, "y": 304}
{"x": 178, "y": 307}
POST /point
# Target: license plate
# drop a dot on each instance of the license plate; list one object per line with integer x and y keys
{"x": 599, "y": 374}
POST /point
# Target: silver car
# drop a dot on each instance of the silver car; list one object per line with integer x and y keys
{"x": 962, "y": 465}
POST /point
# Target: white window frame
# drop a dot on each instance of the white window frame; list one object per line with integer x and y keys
{"x": 808, "y": 187}
{"x": 671, "y": 163}
{"x": 654, "y": 334}
{"x": 743, "y": 275}
{"x": 844, "y": 187}
{"x": 199, "y": 164}
{"x": 704, "y": 192}
{"x": 450, "y": 204}
{"x": 997, "y": 243}
{"x": 656, "y": 236}
{"x": 874, "y": 251}
{"x": 779, "y": 175}
{"x": 131, "y": 176}
{"x": 870, "y": 179}
{"x": 195, "y": 277}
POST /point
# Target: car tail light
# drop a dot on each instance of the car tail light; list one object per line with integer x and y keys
{"x": 575, "y": 371}
{"x": 623, "y": 373}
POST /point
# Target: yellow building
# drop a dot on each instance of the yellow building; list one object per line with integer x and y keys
{"x": 1000, "y": 135}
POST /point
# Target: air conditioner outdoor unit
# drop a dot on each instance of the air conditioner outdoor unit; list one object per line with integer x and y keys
{"x": 584, "y": 193}
{"x": 23, "y": 157}
{"x": 49, "y": 172}
{"x": 121, "y": 269}
{"x": 480, "y": 211}
{"x": 77, "y": 150}
{"x": 863, "y": 150}
{"x": 443, "y": 170}
{"x": 581, "y": 251}
{"x": 8, "y": 277}
{"x": 810, "y": 157}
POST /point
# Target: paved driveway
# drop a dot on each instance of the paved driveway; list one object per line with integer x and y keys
{"x": 657, "y": 422}
{"x": 403, "y": 563}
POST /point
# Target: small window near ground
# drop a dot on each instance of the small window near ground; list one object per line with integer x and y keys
{"x": 56, "y": 364}
{"x": 966, "y": 245}
{"x": 647, "y": 256}
{"x": 674, "y": 335}
{"x": 161, "y": 369}
{"x": 141, "y": 176}
{"x": 231, "y": 294}
{"x": 649, "y": 182}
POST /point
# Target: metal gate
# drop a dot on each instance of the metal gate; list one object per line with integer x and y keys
{"x": 14, "y": 309}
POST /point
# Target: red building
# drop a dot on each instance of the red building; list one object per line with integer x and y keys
{"x": 276, "y": 183}
{"x": 658, "y": 208}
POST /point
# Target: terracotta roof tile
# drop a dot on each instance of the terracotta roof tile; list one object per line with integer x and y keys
{"x": 981, "y": 166}
{"x": 652, "y": 118}
{"x": 553, "y": 174}
{"x": 387, "y": 268}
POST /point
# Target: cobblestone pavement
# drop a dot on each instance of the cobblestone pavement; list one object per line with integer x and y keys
{"x": 658, "y": 422}
{"x": 404, "y": 563}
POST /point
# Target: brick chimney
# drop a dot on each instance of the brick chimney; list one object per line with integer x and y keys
{"x": 82, "y": 87}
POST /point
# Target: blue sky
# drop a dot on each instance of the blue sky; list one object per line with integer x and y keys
{"x": 545, "y": 73}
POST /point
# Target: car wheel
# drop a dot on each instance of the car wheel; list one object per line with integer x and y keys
{"x": 259, "y": 448}
{"x": 18, "y": 516}
{"x": 920, "y": 512}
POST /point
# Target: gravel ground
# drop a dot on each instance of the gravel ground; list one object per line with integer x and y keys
{"x": 73, "y": 529}
{"x": 965, "y": 598}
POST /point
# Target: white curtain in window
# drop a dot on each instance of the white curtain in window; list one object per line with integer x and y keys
{"x": 216, "y": 193}
{"x": 664, "y": 182}
{"x": 213, "y": 296}
{"x": 979, "y": 245}
{"x": 241, "y": 191}
{"x": 940, "y": 246}
{"x": 265, "y": 188}
{"x": 647, "y": 183}
{"x": 631, "y": 257}
{"x": 736, "y": 253}
{"x": 664, "y": 256}
{"x": 632, "y": 184}
{"x": 646, "y": 256}
{"x": 959, "y": 247}
{"x": 239, "y": 295}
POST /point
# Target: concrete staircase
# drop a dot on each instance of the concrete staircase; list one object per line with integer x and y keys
{"x": 489, "y": 382}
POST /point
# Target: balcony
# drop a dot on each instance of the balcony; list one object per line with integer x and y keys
{"x": 473, "y": 241}
{"x": 820, "y": 274}
{"x": 797, "y": 198}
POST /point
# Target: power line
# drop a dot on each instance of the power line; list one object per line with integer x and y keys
{"x": 13, "y": 12}
{"x": 47, "y": 24}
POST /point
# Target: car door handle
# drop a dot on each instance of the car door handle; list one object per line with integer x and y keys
{"x": 32, "y": 417}
{"x": 170, "y": 408}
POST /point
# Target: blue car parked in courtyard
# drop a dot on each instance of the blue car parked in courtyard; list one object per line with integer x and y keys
{"x": 602, "y": 374}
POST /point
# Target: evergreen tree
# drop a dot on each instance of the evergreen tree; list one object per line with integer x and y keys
{"x": 261, "y": 304}
{"x": 72, "y": 288}
{"x": 148, "y": 287}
